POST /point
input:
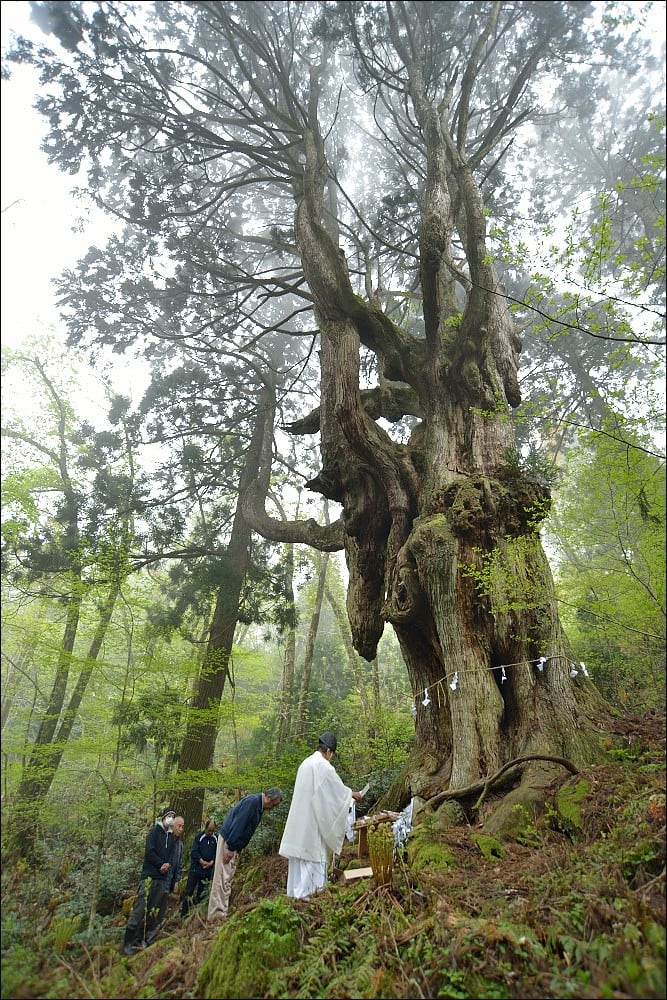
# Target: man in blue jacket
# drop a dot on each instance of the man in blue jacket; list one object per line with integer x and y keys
{"x": 240, "y": 823}
{"x": 156, "y": 874}
{"x": 202, "y": 860}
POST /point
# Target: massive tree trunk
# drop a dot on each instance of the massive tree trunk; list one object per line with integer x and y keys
{"x": 442, "y": 535}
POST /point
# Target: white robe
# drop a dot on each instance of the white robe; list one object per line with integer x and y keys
{"x": 317, "y": 818}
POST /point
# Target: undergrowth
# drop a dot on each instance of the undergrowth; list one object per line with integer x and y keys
{"x": 575, "y": 908}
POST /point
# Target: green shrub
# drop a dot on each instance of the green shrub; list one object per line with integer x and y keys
{"x": 247, "y": 949}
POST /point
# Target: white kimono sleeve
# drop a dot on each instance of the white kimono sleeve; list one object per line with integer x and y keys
{"x": 318, "y": 813}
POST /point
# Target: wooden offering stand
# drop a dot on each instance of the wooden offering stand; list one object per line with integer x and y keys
{"x": 366, "y": 823}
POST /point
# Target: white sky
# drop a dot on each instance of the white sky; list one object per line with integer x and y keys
{"x": 38, "y": 212}
{"x": 44, "y": 228}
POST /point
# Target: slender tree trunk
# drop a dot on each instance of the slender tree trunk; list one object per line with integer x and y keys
{"x": 375, "y": 686}
{"x": 352, "y": 657}
{"x": 202, "y": 722}
{"x": 16, "y": 677}
{"x": 289, "y": 657}
{"x": 45, "y": 753}
{"x": 49, "y": 747}
{"x": 306, "y": 672}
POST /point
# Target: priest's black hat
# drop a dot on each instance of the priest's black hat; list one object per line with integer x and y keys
{"x": 328, "y": 740}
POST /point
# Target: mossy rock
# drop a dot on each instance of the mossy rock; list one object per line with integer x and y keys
{"x": 516, "y": 814}
{"x": 432, "y": 857}
{"x": 491, "y": 848}
{"x": 247, "y": 950}
{"x": 426, "y": 853}
{"x": 448, "y": 815}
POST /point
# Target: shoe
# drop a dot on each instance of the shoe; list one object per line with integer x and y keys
{"x": 128, "y": 949}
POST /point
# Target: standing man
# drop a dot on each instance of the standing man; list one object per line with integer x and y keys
{"x": 317, "y": 819}
{"x": 241, "y": 822}
{"x": 156, "y": 873}
{"x": 178, "y": 830}
{"x": 202, "y": 861}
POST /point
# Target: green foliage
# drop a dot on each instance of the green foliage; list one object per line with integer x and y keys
{"x": 377, "y": 758}
{"x": 63, "y": 929}
{"x": 153, "y": 717}
{"x": 506, "y": 576}
{"x": 609, "y": 525}
{"x": 249, "y": 948}
{"x": 20, "y": 966}
{"x": 531, "y": 465}
{"x": 639, "y": 858}
{"x": 119, "y": 866}
{"x": 568, "y": 805}
{"x": 338, "y": 953}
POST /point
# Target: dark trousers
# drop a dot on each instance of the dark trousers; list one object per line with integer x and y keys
{"x": 194, "y": 890}
{"x": 142, "y": 923}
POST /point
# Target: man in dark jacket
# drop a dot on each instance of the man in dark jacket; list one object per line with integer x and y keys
{"x": 156, "y": 874}
{"x": 178, "y": 831}
{"x": 202, "y": 860}
{"x": 240, "y": 823}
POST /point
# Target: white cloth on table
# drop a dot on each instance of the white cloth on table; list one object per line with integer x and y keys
{"x": 403, "y": 826}
{"x": 351, "y": 819}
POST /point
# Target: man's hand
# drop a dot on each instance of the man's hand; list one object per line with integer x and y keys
{"x": 227, "y": 856}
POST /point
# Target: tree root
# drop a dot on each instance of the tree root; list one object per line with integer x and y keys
{"x": 486, "y": 784}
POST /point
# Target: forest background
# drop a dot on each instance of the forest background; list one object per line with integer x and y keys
{"x": 143, "y": 615}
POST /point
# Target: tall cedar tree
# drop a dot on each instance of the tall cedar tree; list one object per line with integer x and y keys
{"x": 327, "y": 161}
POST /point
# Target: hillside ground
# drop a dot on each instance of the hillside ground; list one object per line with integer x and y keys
{"x": 575, "y": 912}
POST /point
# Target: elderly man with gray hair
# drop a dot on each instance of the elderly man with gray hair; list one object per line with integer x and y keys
{"x": 235, "y": 833}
